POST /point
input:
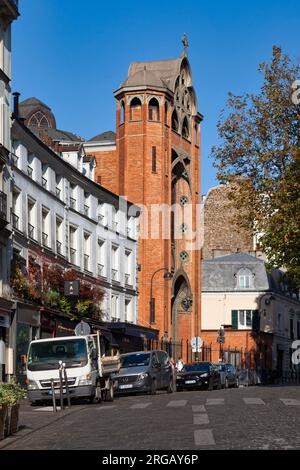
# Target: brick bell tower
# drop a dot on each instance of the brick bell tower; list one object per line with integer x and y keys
{"x": 158, "y": 153}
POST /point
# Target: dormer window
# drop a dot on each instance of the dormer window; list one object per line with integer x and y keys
{"x": 245, "y": 278}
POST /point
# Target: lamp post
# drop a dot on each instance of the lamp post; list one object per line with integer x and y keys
{"x": 167, "y": 276}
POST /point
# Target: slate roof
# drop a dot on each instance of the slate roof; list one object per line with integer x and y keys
{"x": 108, "y": 136}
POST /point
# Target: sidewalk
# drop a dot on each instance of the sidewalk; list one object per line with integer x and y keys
{"x": 33, "y": 419}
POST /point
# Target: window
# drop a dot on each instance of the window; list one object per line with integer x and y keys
{"x": 59, "y": 236}
{"x": 245, "y": 320}
{"x": 122, "y": 112}
{"x": 135, "y": 110}
{"x": 185, "y": 129}
{"x": 100, "y": 258}
{"x": 16, "y": 209}
{"x": 292, "y": 336}
{"x": 153, "y": 159}
{"x": 128, "y": 268}
{"x": 73, "y": 244}
{"x": 86, "y": 251}
{"x": 175, "y": 121}
{"x": 128, "y": 311}
{"x": 115, "y": 263}
{"x": 115, "y": 312}
{"x": 31, "y": 218}
{"x": 279, "y": 321}
{"x": 45, "y": 227}
{"x": 244, "y": 279}
{"x": 196, "y": 134}
{"x": 153, "y": 110}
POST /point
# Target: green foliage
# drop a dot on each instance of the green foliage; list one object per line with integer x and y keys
{"x": 65, "y": 305}
{"x": 260, "y": 135}
{"x": 11, "y": 394}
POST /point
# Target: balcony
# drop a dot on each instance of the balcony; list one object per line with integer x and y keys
{"x": 73, "y": 256}
{"x": 58, "y": 247}
{"x": 100, "y": 270}
{"x": 44, "y": 183}
{"x": 86, "y": 210}
{"x": 3, "y": 209}
{"x": 58, "y": 192}
{"x": 29, "y": 171}
{"x": 128, "y": 280}
{"x": 114, "y": 275}
{"x": 72, "y": 203}
{"x": 15, "y": 220}
{"x": 45, "y": 239}
{"x": 31, "y": 231}
{"x": 86, "y": 262}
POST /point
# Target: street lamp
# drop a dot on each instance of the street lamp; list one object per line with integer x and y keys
{"x": 167, "y": 276}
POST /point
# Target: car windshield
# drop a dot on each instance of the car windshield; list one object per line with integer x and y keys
{"x": 202, "y": 367}
{"x": 135, "y": 360}
{"x": 47, "y": 354}
{"x": 221, "y": 367}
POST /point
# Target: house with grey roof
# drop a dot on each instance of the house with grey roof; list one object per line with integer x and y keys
{"x": 252, "y": 307}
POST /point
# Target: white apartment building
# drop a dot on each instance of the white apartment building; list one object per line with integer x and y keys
{"x": 66, "y": 213}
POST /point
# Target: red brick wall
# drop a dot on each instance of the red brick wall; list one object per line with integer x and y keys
{"x": 107, "y": 169}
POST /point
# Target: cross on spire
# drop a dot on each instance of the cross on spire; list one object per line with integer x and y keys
{"x": 185, "y": 42}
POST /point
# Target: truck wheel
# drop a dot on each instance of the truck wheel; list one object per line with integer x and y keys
{"x": 109, "y": 394}
{"x": 98, "y": 394}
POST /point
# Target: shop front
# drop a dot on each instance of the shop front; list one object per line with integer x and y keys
{"x": 131, "y": 338}
{"x": 5, "y": 319}
{"x": 26, "y": 325}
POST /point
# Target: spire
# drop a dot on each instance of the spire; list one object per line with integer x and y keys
{"x": 185, "y": 43}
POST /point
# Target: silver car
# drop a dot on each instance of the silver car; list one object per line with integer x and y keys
{"x": 228, "y": 373}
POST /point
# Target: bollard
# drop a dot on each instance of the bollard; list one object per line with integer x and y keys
{"x": 53, "y": 396}
{"x": 61, "y": 386}
{"x": 66, "y": 385}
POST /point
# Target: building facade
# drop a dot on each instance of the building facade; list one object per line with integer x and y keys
{"x": 259, "y": 318}
{"x": 155, "y": 162}
{"x": 62, "y": 218}
{"x": 8, "y": 13}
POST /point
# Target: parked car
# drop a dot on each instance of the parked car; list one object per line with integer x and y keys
{"x": 145, "y": 372}
{"x": 198, "y": 375}
{"x": 228, "y": 373}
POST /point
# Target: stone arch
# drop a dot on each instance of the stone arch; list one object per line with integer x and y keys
{"x": 153, "y": 110}
{"x": 175, "y": 121}
{"x": 135, "y": 109}
{"x": 181, "y": 291}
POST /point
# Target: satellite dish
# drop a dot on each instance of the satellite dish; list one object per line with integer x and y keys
{"x": 82, "y": 329}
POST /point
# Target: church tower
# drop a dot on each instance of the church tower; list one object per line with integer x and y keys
{"x": 158, "y": 153}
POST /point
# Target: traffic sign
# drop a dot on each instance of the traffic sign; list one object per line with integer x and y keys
{"x": 82, "y": 329}
{"x": 196, "y": 344}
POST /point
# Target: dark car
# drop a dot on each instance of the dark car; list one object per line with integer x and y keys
{"x": 198, "y": 375}
{"x": 145, "y": 372}
{"x": 228, "y": 373}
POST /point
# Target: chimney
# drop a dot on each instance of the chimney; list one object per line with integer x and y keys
{"x": 16, "y": 96}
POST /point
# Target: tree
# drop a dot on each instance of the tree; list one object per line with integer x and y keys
{"x": 260, "y": 138}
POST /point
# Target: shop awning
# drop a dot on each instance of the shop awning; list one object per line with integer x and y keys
{"x": 128, "y": 329}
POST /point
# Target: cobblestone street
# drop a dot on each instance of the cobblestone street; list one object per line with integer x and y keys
{"x": 245, "y": 418}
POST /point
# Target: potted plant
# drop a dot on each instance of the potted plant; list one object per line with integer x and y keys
{"x": 10, "y": 396}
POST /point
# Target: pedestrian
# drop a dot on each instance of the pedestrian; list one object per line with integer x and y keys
{"x": 179, "y": 365}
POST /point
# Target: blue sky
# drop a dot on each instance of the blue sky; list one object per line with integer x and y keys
{"x": 73, "y": 54}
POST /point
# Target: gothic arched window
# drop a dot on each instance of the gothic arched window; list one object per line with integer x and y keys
{"x": 153, "y": 110}
{"x": 245, "y": 277}
{"x": 175, "y": 121}
{"x": 122, "y": 112}
{"x": 135, "y": 109}
{"x": 166, "y": 112}
{"x": 185, "y": 129}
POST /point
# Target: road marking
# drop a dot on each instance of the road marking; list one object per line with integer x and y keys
{"x": 177, "y": 403}
{"x": 254, "y": 401}
{"x": 45, "y": 408}
{"x": 198, "y": 409}
{"x": 290, "y": 401}
{"x": 201, "y": 419}
{"x": 204, "y": 437}
{"x": 109, "y": 407}
{"x": 215, "y": 401}
{"x": 140, "y": 406}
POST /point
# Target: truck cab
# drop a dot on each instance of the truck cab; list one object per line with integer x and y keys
{"x": 88, "y": 364}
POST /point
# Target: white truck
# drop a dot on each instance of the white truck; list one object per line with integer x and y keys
{"x": 89, "y": 365}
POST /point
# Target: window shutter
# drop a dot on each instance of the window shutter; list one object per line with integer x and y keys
{"x": 255, "y": 320}
{"x": 234, "y": 320}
